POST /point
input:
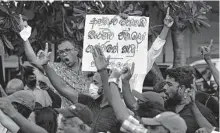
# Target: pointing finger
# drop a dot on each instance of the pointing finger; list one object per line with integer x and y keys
{"x": 46, "y": 48}
{"x": 211, "y": 43}
{"x": 168, "y": 11}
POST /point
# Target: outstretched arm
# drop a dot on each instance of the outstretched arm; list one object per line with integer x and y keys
{"x": 200, "y": 119}
{"x": 61, "y": 86}
{"x": 129, "y": 99}
{"x": 206, "y": 51}
{"x": 29, "y": 52}
{"x": 129, "y": 123}
{"x": 154, "y": 51}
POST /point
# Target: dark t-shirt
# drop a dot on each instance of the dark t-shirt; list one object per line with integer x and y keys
{"x": 209, "y": 101}
{"x": 190, "y": 120}
{"x": 104, "y": 118}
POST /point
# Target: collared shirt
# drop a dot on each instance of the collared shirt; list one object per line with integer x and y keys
{"x": 75, "y": 79}
{"x": 137, "y": 80}
{"x": 104, "y": 118}
{"x": 132, "y": 125}
{"x": 41, "y": 96}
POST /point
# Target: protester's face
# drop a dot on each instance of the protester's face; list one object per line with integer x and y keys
{"x": 95, "y": 86}
{"x": 74, "y": 125}
{"x": 31, "y": 80}
{"x": 171, "y": 87}
{"x": 68, "y": 53}
{"x": 157, "y": 129}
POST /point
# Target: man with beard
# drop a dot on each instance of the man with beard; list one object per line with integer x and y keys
{"x": 178, "y": 99}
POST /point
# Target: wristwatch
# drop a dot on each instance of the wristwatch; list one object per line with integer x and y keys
{"x": 113, "y": 80}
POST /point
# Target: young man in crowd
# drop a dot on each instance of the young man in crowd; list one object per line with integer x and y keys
{"x": 98, "y": 104}
{"x": 129, "y": 123}
{"x": 42, "y": 97}
{"x": 179, "y": 91}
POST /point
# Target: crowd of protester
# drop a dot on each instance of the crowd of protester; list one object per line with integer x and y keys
{"x": 60, "y": 98}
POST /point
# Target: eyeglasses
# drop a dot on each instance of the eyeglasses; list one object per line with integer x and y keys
{"x": 65, "y": 51}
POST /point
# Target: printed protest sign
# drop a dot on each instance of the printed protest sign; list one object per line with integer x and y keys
{"x": 125, "y": 40}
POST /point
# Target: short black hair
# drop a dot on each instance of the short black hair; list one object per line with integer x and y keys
{"x": 28, "y": 70}
{"x": 183, "y": 75}
{"x": 149, "y": 109}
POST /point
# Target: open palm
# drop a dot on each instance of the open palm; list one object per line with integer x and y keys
{"x": 100, "y": 61}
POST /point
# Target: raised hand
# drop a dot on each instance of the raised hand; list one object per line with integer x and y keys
{"x": 127, "y": 73}
{"x": 168, "y": 21}
{"x": 206, "y": 50}
{"x": 43, "y": 57}
{"x": 22, "y": 24}
{"x": 7, "y": 107}
{"x": 24, "y": 29}
{"x": 100, "y": 61}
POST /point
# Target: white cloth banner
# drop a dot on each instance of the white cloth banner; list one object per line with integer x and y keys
{"x": 125, "y": 40}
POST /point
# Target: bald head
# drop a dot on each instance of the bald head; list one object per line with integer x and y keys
{"x": 13, "y": 86}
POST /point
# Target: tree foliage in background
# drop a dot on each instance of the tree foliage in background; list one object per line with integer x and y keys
{"x": 187, "y": 15}
{"x": 51, "y": 22}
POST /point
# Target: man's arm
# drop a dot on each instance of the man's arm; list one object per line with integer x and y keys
{"x": 8, "y": 123}
{"x": 60, "y": 85}
{"x": 113, "y": 97}
{"x": 154, "y": 52}
{"x": 200, "y": 119}
{"x": 213, "y": 69}
{"x": 206, "y": 52}
{"x": 129, "y": 99}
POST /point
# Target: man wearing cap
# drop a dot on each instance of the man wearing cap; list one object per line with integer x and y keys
{"x": 167, "y": 122}
{"x": 13, "y": 86}
{"x": 75, "y": 119}
{"x": 23, "y": 101}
